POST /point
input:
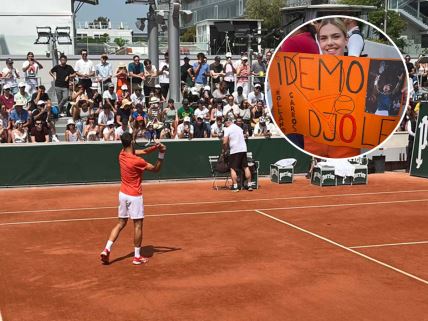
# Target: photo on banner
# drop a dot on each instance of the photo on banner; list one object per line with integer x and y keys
{"x": 335, "y": 91}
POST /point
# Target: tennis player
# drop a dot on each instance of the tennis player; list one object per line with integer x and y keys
{"x": 131, "y": 205}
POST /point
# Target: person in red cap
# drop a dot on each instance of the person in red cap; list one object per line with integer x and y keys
{"x": 132, "y": 168}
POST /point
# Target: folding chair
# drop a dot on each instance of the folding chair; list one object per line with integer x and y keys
{"x": 215, "y": 174}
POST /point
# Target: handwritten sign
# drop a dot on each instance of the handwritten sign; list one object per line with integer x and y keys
{"x": 338, "y": 101}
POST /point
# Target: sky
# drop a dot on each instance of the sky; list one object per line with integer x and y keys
{"x": 116, "y": 10}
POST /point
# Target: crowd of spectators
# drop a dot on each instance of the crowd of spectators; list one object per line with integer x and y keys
{"x": 102, "y": 103}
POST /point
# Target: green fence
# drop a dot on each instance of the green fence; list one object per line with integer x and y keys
{"x": 98, "y": 162}
{"x": 419, "y": 166}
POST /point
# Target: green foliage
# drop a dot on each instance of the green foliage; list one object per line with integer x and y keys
{"x": 120, "y": 42}
{"x": 189, "y": 35}
{"x": 103, "y": 20}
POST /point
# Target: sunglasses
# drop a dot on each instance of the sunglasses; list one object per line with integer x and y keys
{"x": 38, "y": 124}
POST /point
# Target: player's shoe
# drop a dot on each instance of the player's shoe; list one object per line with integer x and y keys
{"x": 234, "y": 189}
{"x": 249, "y": 188}
{"x": 140, "y": 260}
{"x": 105, "y": 256}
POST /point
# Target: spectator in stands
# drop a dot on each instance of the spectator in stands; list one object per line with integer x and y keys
{"x": 91, "y": 131}
{"x": 5, "y": 125}
{"x": 154, "y": 112}
{"x": 109, "y": 131}
{"x": 104, "y": 117}
{"x": 185, "y": 110}
{"x": 104, "y": 72}
{"x": 239, "y": 95}
{"x": 110, "y": 97}
{"x": 85, "y": 69}
{"x": 10, "y": 76}
{"x": 39, "y": 133}
{"x": 268, "y": 57}
{"x": 256, "y": 95}
{"x": 78, "y": 91}
{"x": 410, "y": 67}
{"x": 150, "y": 75}
{"x": 136, "y": 72}
{"x": 121, "y": 75}
{"x": 258, "y": 70}
{"x": 167, "y": 132}
{"x": 216, "y": 73}
{"x": 201, "y": 71}
{"x": 125, "y": 94}
{"x": 7, "y": 98}
{"x": 265, "y": 128}
{"x": 22, "y": 95}
{"x": 62, "y": 74}
{"x": 138, "y": 111}
{"x": 185, "y": 130}
{"x": 217, "y": 128}
{"x": 245, "y": 128}
{"x": 231, "y": 110}
{"x": 245, "y": 112}
{"x": 124, "y": 127}
{"x": 242, "y": 75}
{"x": 204, "y": 112}
{"x": 221, "y": 92}
{"x": 257, "y": 112}
{"x": 137, "y": 97}
{"x": 40, "y": 94}
{"x": 82, "y": 110}
{"x": 417, "y": 93}
{"x": 158, "y": 94}
{"x": 97, "y": 100}
{"x": 138, "y": 127}
{"x": 217, "y": 110}
{"x": 71, "y": 133}
{"x": 124, "y": 112}
{"x": 186, "y": 73}
{"x": 163, "y": 74}
{"x": 200, "y": 129}
{"x": 169, "y": 117}
{"x": 19, "y": 134}
{"x": 43, "y": 111}
{"x": 207, "y": 96}
{"x": 31, "y": 69}
{"x": 18, "y": 113}
{"x": 229, "y": 72}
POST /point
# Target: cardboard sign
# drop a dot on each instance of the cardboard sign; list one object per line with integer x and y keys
{"x": 339, "y": 101}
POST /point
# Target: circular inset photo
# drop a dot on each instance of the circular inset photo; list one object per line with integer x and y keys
{"x": 337, "y": 86}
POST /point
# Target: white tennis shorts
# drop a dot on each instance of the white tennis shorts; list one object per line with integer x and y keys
{"x": 131, "y": 206}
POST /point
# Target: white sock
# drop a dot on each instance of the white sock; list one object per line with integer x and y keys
{"x": 235, "y": 185}
{"x": 109, "y": 244}
{"x": 137, "y": 251}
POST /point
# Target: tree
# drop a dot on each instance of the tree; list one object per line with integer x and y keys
{"x": 189, "y": 34}
{"x": 103, "y": 20}
{"x": 394, "y": 24}
{"x": 269, "y": 11}
{"x": 120, "y": 42}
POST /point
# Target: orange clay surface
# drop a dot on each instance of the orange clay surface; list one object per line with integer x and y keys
{"x": 307, "y": 253}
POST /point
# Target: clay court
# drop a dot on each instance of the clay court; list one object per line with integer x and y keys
{"x": 283, "y": 252}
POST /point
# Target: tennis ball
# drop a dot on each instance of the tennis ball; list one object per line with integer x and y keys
{"x": 344, "y": 105}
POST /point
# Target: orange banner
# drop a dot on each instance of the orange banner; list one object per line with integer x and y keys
{"x": 338, "y": 101}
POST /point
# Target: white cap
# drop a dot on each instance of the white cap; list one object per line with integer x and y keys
{"x": 207, "y": 88}
{"x": 244, "y": 58}
{"x": 228, "y": 55}
{"x": 110, "y": 122}
{"x": 7, "y": 86}
{"x": 22, "y": 84}
{"x": 157, "y": 86}
{"x": 71, "y": 122}
{"x": 186, "y": 119}
{"x": 257, "y": 85}
{"x": 41, "y": 102}
{"x": 124, "y": 87}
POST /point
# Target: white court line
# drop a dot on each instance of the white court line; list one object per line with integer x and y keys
{"x": 387, "y": 244}
{"x": 343, "y": 247}
{"x": 222, "y": 211}
{"x": 213, "y": 202}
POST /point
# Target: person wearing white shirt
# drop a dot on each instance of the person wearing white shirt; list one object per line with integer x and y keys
{"x": 31, "y": 69}
{"x": 231, "y": 107}
{"x": 185, "y": 129}
{"x": 110, "y": 97}
{"x": 104, "y": 72}
{"x": 137, "y": 97}
{"x": 85, "y": 69}
{"x": 256, "y": 95}
{"x": 265, "y": 128}
{"x": 355, "y": 38}
{"x": 234, "y": 141}
{"x": 163, "y": 73}
{"x": 10, "y": 76}
{"x": 229, "y": 71}
{"x": 239, "y": 96}
{"x": 122, "y": 129}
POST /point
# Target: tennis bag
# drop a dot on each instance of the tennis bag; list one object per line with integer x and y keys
{"x": 222, "y": 165}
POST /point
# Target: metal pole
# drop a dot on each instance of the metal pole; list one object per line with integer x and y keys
{"x": 174, "y": 49}
{"x": 385, "y": 16}
{"x": 153, "y": 36}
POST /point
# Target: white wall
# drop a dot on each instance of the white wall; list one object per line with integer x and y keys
{"x": 19, "y": 19}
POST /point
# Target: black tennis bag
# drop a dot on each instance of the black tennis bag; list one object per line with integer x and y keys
{"x": 222, "y": 165}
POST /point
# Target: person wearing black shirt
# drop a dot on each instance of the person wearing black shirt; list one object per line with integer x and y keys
{"x": 410, "y": 66}
{"x": 200, "y": 129}
{"x": 136, "y": 72}
{"x": 216, "y": 72}
{"x": 185, "y": 77}
{"x": 62, "y": 74}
